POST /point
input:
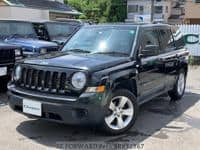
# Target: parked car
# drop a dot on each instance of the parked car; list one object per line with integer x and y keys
{"x": 58, "y": 32}
{"x": 102, "y": 75}
{"x": 22, "y": 33}
{"x": 8, "y": 55}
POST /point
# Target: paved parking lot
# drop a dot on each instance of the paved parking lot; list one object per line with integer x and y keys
{"x": 161, "y": 125}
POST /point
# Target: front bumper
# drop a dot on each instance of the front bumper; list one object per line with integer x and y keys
{"x": 86, "y": 109}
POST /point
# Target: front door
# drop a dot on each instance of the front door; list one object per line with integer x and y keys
{"x": 151, "y": 71}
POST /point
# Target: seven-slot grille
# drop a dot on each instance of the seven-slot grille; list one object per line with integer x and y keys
{"x": 7, "y": 56}
{"x": 42, "y": 80}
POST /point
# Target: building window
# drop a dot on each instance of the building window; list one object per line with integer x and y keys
{"x": 197, "y": 1}
{"x": 166, "y": 9}
{"x": 158, "y": 9}
{"x": 132, "y": 8}
{"x": 141, "y": 10}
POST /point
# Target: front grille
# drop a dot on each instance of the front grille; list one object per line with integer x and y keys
{"x": 7, "y": 56}
{"x": 45, "y": 81}
{"x": 52, "y": 49}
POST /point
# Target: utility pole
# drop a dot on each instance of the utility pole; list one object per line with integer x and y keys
{"x": 152, "y": 10}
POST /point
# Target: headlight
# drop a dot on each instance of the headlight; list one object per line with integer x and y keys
{"x": 17, "y": 73}
{"x": 79, "y": 80}
{"x": 43, "y": 51}
{"x": 18, "y": 52}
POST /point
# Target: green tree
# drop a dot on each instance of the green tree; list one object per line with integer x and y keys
{"x": 117, "y": 11}
{"x": 100, "y": 10}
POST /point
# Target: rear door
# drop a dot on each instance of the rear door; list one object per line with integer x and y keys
{"x": 168, "y": 56}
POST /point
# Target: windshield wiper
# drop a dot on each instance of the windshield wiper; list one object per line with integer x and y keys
{"x": 112, "y": 53}
{"x": 78, "y": 51}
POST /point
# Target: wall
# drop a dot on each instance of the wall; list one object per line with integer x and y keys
{"x": 192, "y": 10}
{"x": 192, "y": 32}
{"x": 20, "y": 13}
{"x": 54, "y": 15}
{"x": 147, "y": 8}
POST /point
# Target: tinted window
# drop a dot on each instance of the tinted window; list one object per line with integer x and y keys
{"x": 103, "y": 40}
{"x": 166, "y": 40}
{"x": 132, "y": 8}
{"x": 60, "y": 29}
{"x": 150, "y": 44}
{"x": 21, "y": 29}
{"x": 178, "y": 38}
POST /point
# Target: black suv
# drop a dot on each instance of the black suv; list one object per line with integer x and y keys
{"x": 8, "y": 55}
{"x": 102, "y": 75}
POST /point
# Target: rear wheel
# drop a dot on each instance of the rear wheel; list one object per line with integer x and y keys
{"x": 179, "y": 89}
{"x": 123, "y": 112}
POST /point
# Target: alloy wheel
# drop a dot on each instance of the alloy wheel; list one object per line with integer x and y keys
{"x": 181, "y": 83}
{"x": 122, "y": 112}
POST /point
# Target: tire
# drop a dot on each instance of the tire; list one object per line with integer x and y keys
{"x": 123, "y": 112}
{"x": 179, "y": 88}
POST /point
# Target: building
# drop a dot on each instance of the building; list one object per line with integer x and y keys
{"x": 192, "y": 12}
{"x": 36, "y": 10}
{"x": 164, "y": 10}
{"x": 177, "y": 13}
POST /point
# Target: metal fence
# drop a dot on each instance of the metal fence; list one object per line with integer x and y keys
{"x": 192, "y": 38}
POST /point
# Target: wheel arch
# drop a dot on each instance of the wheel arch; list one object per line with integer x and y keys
{"x": 184, "y": 67}
{"x": 127, "y": 84}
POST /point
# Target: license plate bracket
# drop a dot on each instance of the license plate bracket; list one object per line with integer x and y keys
{"x": 32, "y": 107}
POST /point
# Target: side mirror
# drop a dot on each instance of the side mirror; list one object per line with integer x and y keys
{"x": 149, "y": 50}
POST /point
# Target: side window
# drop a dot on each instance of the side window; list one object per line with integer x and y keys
{"x": 178, "y": 38}
{"x": 166, "y": 40}
{"x": 150, "y": 43}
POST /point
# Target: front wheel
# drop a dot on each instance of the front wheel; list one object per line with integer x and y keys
{"x": 179, "y": 89}
{"x": 123, "y": 110}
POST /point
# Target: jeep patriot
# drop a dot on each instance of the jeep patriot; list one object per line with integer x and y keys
{"x": 102, "y": 75}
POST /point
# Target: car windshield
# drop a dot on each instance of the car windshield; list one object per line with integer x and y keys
{"x": 104, "y": 40}
{"x": 60, "y": 29}
{"x": 16, "y": 29}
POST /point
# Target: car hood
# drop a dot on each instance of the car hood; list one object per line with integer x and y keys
{"x": 35, "y": 43}
{"x": 91, "y": 62}
{"x": 7, "y": 46}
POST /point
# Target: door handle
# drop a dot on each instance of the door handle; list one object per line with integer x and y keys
{"x": 162, "y": 59}
{"x": 168, "y": 59}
